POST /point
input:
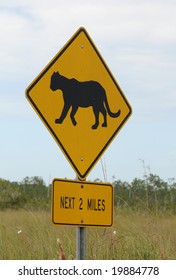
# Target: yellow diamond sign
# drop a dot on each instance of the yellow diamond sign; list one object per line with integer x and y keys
{"x": 80, "y": 102}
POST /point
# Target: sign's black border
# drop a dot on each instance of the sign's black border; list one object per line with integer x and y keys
{"x": 79, "y": 174}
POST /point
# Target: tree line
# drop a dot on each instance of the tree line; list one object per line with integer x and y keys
{"x": 32, "y": 193}
{"x": 150, "y": 193}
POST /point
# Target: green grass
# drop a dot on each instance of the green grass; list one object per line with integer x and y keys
{"x": 134, "y": 235}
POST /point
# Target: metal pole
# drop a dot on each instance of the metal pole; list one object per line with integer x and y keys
{"x": 80, "y": 243}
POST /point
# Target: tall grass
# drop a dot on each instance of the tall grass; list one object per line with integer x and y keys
{"x": 31, "y": 235}
{"x": 134, "y": 235}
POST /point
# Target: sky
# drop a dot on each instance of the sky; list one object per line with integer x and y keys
{"x": 136, "y": 38}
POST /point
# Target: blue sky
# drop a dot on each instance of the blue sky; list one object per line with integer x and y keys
{"x": 136, "y": 38}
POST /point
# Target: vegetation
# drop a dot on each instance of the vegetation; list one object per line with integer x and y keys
{"x": 144, "y": 222}
{"x": 31, "y": 193}
{"x": 151, "y": 194}
{"x": 30, "y": 235}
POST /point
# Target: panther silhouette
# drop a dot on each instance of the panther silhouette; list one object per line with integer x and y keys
{"x": 82, "y": 94}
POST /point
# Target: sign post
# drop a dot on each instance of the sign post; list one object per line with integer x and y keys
{"x": 80, "y": 243}
{"x": 82, "y": 204}
{"x": 83, "y": 107}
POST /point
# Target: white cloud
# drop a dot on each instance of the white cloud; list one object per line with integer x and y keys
{"x": 149, "y": 21}
{"x": 136, "y": 37}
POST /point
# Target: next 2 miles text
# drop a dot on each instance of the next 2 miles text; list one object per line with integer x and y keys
{"x": 67, "y": 202}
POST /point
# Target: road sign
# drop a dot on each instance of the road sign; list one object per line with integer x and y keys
{"x": 82, "y": 203}
{"x": 80, "y": 102}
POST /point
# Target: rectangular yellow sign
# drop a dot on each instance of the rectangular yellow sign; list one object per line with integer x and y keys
{"x": 82, "y": 203}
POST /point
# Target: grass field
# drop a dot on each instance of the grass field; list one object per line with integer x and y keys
{"x": 29, "y": 235}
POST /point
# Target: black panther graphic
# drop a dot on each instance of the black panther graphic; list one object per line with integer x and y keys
{"x": 82, "y": 94}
